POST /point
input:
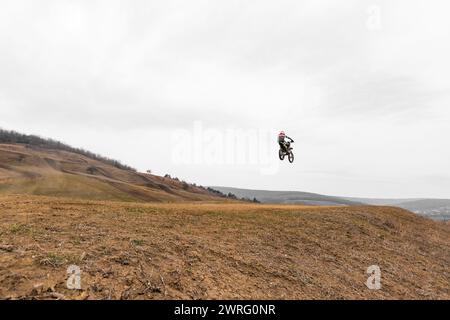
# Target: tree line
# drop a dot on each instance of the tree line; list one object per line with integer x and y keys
{"x": 230, "y": 195}
{"x": 212, "y": 191}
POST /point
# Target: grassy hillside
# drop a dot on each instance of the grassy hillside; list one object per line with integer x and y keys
{"x": 33, "y": 170}
{"x": 217, "y": 251}
{"x": 12, "y": 137}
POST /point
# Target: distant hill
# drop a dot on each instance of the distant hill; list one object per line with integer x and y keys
{"x": 289, "y": 197}
{"x": 437, "y": 209}
{"x": 379, "y": 201}
{"x": 12, "y": 137}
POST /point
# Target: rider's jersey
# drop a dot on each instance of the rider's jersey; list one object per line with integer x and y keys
{"x": 282, "y": 137}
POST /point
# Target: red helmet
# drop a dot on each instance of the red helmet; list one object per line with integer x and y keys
{"x": 282, "y": 133}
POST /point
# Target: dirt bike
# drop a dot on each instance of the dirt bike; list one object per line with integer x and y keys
{"x": 282, "y": 153}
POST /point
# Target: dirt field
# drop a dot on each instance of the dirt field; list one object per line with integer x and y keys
{"x": 217, "y": 251}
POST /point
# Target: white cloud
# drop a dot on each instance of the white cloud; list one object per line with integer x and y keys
{"x": 369, "y": 108}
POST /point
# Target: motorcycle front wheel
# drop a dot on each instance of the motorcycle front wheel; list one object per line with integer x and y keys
{"x": 291, "y": 157}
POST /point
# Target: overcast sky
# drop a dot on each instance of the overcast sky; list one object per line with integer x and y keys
{"x": 362, "y": 86}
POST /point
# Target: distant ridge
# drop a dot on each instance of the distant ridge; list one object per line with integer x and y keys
{"x": 437, "y": 209}
{"x": 289, "y": 197}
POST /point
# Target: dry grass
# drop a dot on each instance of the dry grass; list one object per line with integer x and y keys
{"x": 44, "y": 172}
{"x": 213, "y": 250}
